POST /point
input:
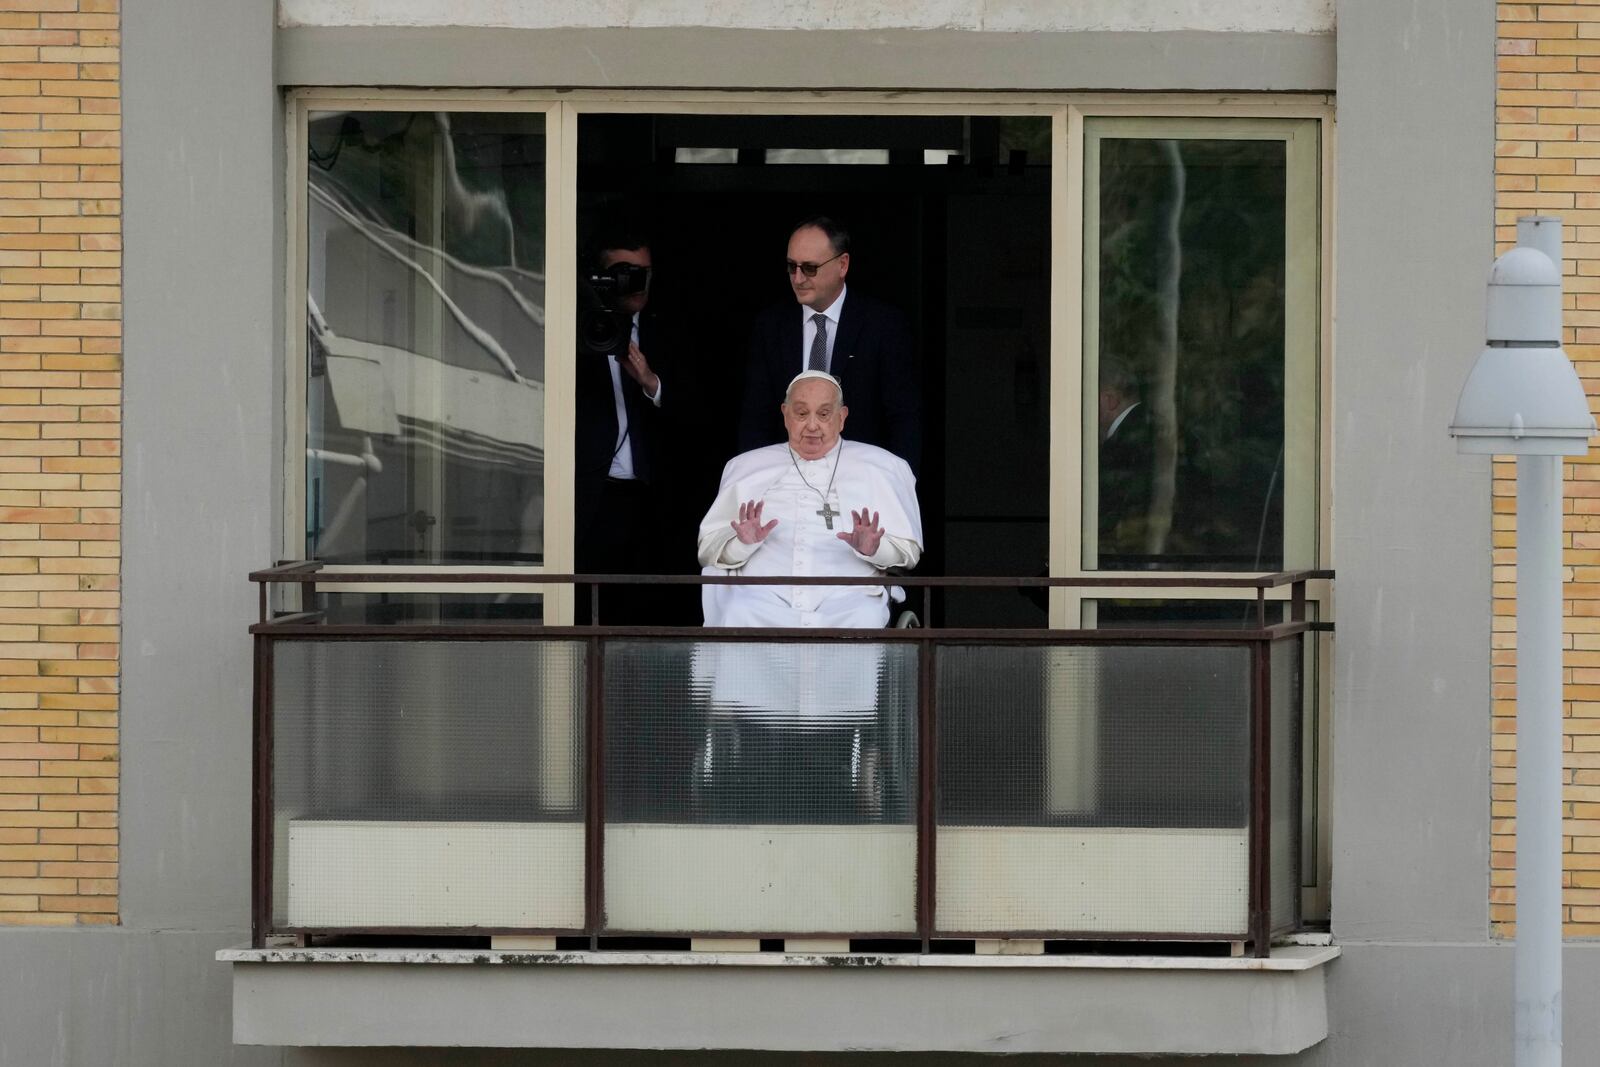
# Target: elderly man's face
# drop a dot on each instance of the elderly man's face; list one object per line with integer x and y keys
{"x": 810, "y": 245}
{"x": 814, "y": 417}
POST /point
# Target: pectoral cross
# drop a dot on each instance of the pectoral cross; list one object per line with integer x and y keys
{"x": 828, "y": 514}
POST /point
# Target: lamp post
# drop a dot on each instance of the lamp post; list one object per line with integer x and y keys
{"x": 1523, "y": 398}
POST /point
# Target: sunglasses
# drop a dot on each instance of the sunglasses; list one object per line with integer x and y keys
{"x": 808, "y": 269}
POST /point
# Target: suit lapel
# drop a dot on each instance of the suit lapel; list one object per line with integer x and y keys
{"x": 790, "y": 359}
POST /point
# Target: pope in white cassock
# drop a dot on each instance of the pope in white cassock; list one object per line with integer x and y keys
{"x": 818, "y": 505}
{"x": 781, "y": 511}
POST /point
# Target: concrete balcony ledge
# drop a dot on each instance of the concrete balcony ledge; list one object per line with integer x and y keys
{"x": 775, "y": 1001}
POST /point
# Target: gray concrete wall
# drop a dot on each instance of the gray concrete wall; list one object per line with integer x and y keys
{"x": 202, "y": 267}
{"x": 1411, "y": 518}
{"x": 718, "y": 58}
{"x": 1251, "y": 16}
{"x": 1420, "y": 982}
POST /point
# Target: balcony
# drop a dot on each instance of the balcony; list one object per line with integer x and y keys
{"x": 617, "y": 795}
{"x": 909, "y": 786}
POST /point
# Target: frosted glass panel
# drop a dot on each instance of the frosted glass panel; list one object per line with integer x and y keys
{"x": 760, "y": 786}
{"x": 428, "y": 783}
{"x": 1093, "y": 789}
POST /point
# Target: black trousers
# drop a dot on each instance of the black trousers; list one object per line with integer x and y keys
{"x": 621, "y": 540}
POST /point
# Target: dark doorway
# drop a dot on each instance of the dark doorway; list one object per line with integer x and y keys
{"x": 950, "y": 222}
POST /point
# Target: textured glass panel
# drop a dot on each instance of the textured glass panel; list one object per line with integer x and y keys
{"x": 386, "y": 608}
{"x": 1190, "y": 258}
{"x": 425, "y": 336}
{"x": 1284, "y": 848}
{"x": 428, "y": 783}
{"x": 1093, "y": 789}
{"x": 1122, "y": 614}
{"x": 760, "y": 787}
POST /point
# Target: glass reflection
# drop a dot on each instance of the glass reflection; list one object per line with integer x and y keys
{"x": 1191, "y": 262}
{"x": 425, "y": 315}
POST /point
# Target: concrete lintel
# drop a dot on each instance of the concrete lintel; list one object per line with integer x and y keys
{"x": 704, "y": 58}
{"x": 844, "y": 1005}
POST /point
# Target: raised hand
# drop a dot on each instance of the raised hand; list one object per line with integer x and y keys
{"x": 638, "y": 368}
{"x": 865, "y": 533}
{"x": 749, "y": 527}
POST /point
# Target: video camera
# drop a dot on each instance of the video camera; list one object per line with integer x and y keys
{"x": 603, "y": 327}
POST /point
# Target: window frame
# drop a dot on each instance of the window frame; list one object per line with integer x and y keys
{"x": 1069, "y": 113}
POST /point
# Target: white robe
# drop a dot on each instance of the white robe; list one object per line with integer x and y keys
{"x": 802, "y": 544}
{"x": 783, "y": 680}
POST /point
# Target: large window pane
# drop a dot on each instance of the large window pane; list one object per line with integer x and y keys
{"x": 425, "y": 348}
{"x": 1201, "y": 263}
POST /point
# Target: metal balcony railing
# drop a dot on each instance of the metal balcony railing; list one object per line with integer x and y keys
{"x": 912, "y": 784}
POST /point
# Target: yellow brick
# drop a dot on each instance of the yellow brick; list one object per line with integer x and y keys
{"x": 37, "y": 852}
{"x": 1536, "y": 30}
{"x": 80, "y": 88}
{"x": 81, "y": 292}
{"x": 82, "y": 633}
{"x": 80, "y": 259}
{"x": 79, "y": 22}
{"x": 79, "y": 802}
{"x": 1563, "y": 12}
{"x": 36, "y": 885}
{"x": 1541, "y": 65}
{"x": 41, "y": 819}
{"x": 78, "y": 903}
{"x": 78, "y": 122}
{"x": 51, "y": 52}
{"x": 23, "y": 918}
{"x": 74, "y": 668}
{"x": 1579, "y": 47}
{"x": 78, "y": 768}
{"x": 77, "y": 836}
{"x": 80, "y": 155}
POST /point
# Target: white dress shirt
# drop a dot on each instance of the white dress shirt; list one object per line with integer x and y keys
{"x": 621, "y": 453}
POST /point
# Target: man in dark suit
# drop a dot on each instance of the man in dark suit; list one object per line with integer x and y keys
{"x": 864, "y": 343}
{"x": 620, "y": 397}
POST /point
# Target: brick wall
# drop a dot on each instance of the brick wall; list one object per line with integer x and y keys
{"x": 60, "y": 458}
{"x": 1548, "y": 161}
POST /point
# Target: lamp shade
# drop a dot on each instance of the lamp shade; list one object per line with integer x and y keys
{"x": 1523, "y": 401}
{"x": 1523, "y": 397}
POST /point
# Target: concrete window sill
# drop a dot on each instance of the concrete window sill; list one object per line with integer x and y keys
{"x": 776, "y": 1001}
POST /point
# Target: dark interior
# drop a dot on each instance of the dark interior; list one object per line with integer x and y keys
{"x": 949, "y": 221}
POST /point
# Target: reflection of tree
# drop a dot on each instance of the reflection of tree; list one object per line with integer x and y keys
{"x": 1192, "y": 301}
{"x": 1164, "y": 379}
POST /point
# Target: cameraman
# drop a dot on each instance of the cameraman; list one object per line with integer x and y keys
{"x": 619, "y": 395}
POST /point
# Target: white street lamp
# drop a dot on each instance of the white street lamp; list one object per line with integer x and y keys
{"x": 1523, "y": 398}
